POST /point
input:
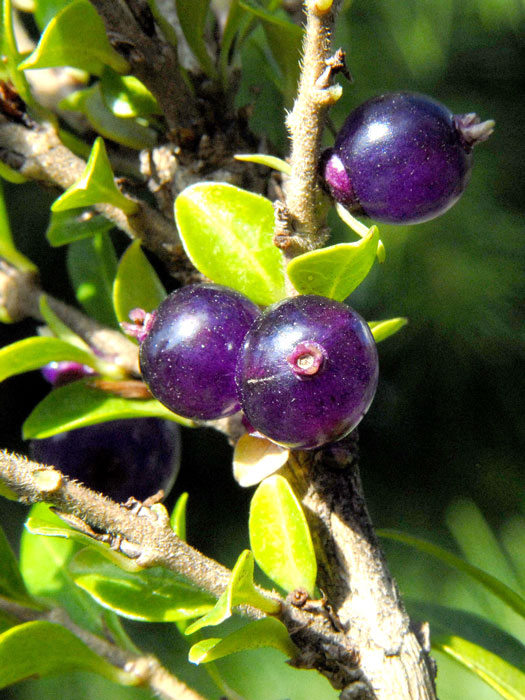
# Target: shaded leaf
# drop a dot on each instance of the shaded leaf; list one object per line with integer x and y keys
{"x": 503, "y": 677}
{"x": 381, "y": 330}
{"x": 264, "y": 159}
{"x": 227, "y": 233}
{"x": 8, "y": 249}
{"x": 136, "y": 284}
{"x": 154, "y": 594}
{"x": 96, "y": 185}
{"x": 268, "y": 632}
{"x": 192, "y": 16}
{"x": 280, "y": 537}
{"x": 38, "y": 649}
{"x": 76, "y": 37}
{"x": 126, "y": 96}
{"x": 492, "y": 584}
{"x": 256, "y": 458}
{"x": 12, "y": 585}
{"x": 335, "y": 271}
{"x": 74, "y": 225}
{"x": 78, "y": 404}
{"x": 178, "y": 516}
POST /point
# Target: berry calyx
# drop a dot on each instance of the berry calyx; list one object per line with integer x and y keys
{"x": 402, "y": 158}
{"x": 307, "y": 372}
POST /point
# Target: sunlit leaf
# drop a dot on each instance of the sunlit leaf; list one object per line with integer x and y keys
{"x": 78, "y": 404}
{"x": 192, "y": 16}
{"x": 492, "y": 584}
{"x": 381, "y": 330}
{"x": 96, "y": 185}
{"x": 503, "y": 677}
{"x": 126, "y": 96}
{"x": 45, "y": 10}
{"x": 255, "y": 458}
{"x": 335, "y": 271}
{"x": 11, "y": 175}
{"x": 178, "y": 516}
{"x": 7, "y": 247}
{"x": 12, "y": 585}
{"x": 264, "y": 159}
{"x": 74, "y": 225}
{"x": 11, "y": 56}
{"x": 59, "y": 328}
{"x": 280, "y": 537}
{"x": 154, "y": 594}
{"x": 76, "y": 37}
{"x": 136, "y": 284}
{"x": 268, "y": 632}
{"x": 227, "y": 233}
{"x": 39, "y": 649}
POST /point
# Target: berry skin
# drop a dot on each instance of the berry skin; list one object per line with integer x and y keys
{"x": 307, "y": 372}
{"x": 189, "y": 352}
{"x": 402, "y": 158}
{"x": 121, "y": 458}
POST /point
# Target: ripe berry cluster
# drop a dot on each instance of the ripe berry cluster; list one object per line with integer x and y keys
{"x": 304, "y": 371}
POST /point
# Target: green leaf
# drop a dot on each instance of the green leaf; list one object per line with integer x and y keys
{"x": 45, "y": 10}
{"x": 280, "y": 537}
{"x": 74, "y": 225}
{"x": 12, "y": 585}
{"x": 59, "y": 328}
{"x": 35, "y": 352}
{"x": 76, "y": 37}
{"x": 357, "y": 227}
{"x": 178, "y": 516}
{"x": 240, "y": 591}
{"x": 492, "y": 584}
{"x": 129, "y": 132}
{"x": 92, "y": 266}
{"x": 227, "y": 233}
{"x": 11, "y": 56}
{"x": 264, "y": 159}
{"x": 504, "y": 678}
{"x": 336, "y": 271}
{"x": 11, "y": 175}
{"x": 7, "y": 621}
{"x": 38, "y": 649}
{"x": 96, "y": 185}
{"x": 136, "y": 284}
{"x": 7, "y": 247}
{"x": 381, "y": 330}
{"x": 268, "y": 632}
{"x": 126, "y": 96}
{"x": 78, "y": 404}
{"x": 154, "y": 594}
{"x": 192, "y": 16}
{"x": 43, "y": 565}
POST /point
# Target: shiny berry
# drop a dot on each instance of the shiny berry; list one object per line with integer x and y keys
{"x": 189, "y": 352}
{"x": 121, "y": 458}
{"x": 402, "y": 158}
{"x": 307, "y": 371}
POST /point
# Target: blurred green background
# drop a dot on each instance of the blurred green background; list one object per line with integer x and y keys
{"x": 443, "y": 444}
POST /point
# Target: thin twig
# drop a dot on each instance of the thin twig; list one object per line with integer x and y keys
{"x": 147, "y": 668}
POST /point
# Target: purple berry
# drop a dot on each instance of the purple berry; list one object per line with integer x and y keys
{"x": 402, "y": 158}
{"x": 122, "y": 458}
{"x": 188, "y": 355}
{"x": 307, "y": 371}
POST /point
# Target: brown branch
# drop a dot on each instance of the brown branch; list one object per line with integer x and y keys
{"x": 147, "y": 668}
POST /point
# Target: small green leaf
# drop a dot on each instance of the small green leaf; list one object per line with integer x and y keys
{"x": 504, "y": 678}
{"x": 381, "y": 330}
{"x": 59, "y": 328}
{"x": 45, "y": 10}
{"x": 11, "y": 56}
{"x": 38, "y": 649}
{"x": 35, "y": 352}
{"x": 192, "y": 16}
{"x": 78, "y": 404}
{"x": 280, "y": 537}
{"x": 178, "y": 516}
{"x": 336, "y": 271}
{"x": 136, "y": 284}
{"x": 7, "y": 247}
{"x": 92, "y": 266}
{"x": 268, "y": 632}
{"x": 12, "y": 585}
{"x": 126, "y": 96}
{"x": 95, "y": 186}
{"x": 492, "y": 584}
{"x": 43, "y": 565}
{"x": 154, "y": 594}
{"x": 74, "y": 225}
{"x": 240, "y": 591}
{"x": 129, "y": 132}
{"x": 264, "y": 159}
{"x": 76, "y": 37}
{"x": 357, "y": 227}
{"x": 227, "y": 233}
{"x": 11, "y": 175}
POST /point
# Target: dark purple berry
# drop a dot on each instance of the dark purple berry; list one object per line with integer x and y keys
{"x": 188, "y": 355}
{"x": 65, "y": 372}
{"x": 402, "y": 158}
{"x": 307, "y": 371}
{"x": 121, "y": 458}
